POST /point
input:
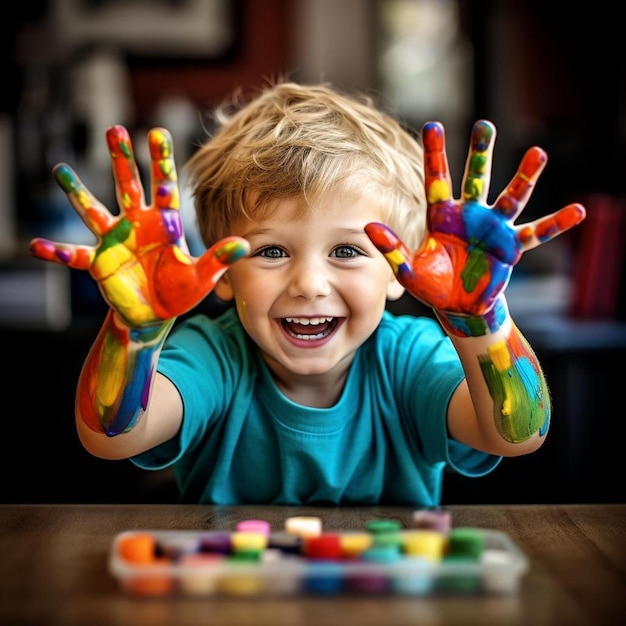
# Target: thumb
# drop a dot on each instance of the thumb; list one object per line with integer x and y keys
{"x": 389, "y": 244}
{"x": 217, "y": 259}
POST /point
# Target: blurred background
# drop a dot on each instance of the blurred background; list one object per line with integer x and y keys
{"x": 545, "y": 75}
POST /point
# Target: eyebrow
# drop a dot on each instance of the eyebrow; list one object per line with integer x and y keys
{"x": 270, "y": 231}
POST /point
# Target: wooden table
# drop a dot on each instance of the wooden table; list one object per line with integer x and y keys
{"x": 53, "y": 569}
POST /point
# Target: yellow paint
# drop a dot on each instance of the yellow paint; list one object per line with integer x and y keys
{"x": 110, "y": 260}
{"x": 500, "y": 356}
{"x": 247, "y": 540}
{"x": 429, "y": 544}
{"x": 438, "y": 191}
{"x": 83, "y": 199}
{"x": 126, "y": 200}
{"x": 175, "y": 202}
{"x": 245, "y": 583}
{"x": 507, "y": 406}
{"x": 112, "y": 379}
{"x": 180, "y": 257}
{"x": 395, "y": 259}
{"x": 131, "y": 239}
{"x": 430, "y": 244}
{"x": 133, "y": 308}
{"x": 354, "y": 544}
{"x": 242, "y": 309}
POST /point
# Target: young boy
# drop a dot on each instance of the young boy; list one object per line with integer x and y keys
{"x": 307, "y": 390}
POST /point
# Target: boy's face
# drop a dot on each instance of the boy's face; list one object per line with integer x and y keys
{"x": 313, "y": 288}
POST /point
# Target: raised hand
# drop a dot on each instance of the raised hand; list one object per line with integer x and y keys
{"x": 470, "y": 247}
{"x": 141, "y": 260}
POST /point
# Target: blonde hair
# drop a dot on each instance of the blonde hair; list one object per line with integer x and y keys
{"x": 293, "y": 140}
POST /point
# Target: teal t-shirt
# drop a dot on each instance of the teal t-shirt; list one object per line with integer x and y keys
{"x": 243, "y": 442}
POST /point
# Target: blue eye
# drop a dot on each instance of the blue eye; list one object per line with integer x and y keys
{"x": 346, "y": 252}
{"x": 271, "y": 252}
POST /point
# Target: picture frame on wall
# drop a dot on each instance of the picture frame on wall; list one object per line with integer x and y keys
{"x": 177, "y": 30}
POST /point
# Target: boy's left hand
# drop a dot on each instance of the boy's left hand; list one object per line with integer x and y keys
{"x": 470, "y": 247}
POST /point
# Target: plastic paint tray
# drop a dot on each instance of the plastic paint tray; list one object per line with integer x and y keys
{"x": 183, "y": 568}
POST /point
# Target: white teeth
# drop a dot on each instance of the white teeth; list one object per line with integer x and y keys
{"x": 305, "y": 321}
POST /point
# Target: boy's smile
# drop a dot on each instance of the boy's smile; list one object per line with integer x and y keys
{"x": 310, "y": 330}
{"x": 312, "y": 290}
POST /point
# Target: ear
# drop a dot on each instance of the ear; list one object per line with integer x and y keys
{"x": 223, "y": 288}
{"x": 394, "y": 289}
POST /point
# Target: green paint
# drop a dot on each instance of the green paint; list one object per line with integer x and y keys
{"x": 66, "y": 179}
{"x": 125, "y": 150}
{"x": 116, "y": 235}
{"x": 475, "y": 269}
{"x": 475, "y": 326}
{"x": 475, "y": 182}
{"x": 518, "y": 409}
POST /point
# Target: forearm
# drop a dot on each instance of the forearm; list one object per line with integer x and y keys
{"x": 115, "y": 382}
{"x": 506, "y": 382}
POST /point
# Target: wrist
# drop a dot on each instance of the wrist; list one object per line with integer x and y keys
{"x": 141, "y": 335}
{"x": 465, "y": 325}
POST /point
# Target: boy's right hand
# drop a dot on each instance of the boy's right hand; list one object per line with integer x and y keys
{"x": 141, "y": 260}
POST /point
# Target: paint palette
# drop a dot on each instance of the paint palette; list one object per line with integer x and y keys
{"x": 304, "y": 559}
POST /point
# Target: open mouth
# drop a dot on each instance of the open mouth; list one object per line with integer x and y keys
{"x": 309, "y": 328}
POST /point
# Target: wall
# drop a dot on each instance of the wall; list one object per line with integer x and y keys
{"x": 536, "y": 76}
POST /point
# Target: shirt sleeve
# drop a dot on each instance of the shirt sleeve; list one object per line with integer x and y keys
{"x": 426, "y": 371}
{"x": 204, "y": 359}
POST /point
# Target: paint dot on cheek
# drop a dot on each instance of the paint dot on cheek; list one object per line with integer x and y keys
{"x": 242, "y": 308}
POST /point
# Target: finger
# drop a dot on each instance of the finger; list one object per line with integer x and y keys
{"x": 216, "y": 260}
{"x": 389, "y": 244}
{"x": 513, "y": 199}
{"x": 427, "y": 275}
{"x": 438, "y": 183}
{"x": 179, "y": 283}
{"x": 546, "y": 228}
{"x": 97, "y": 218}
{"x": 74, "y": 256}
{"x": 165, "y": 193}
{"x": 128, "y": 186}
{"x": 477, "y": 174}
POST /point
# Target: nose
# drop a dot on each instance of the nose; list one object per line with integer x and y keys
{"x": 308, "y": 280}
